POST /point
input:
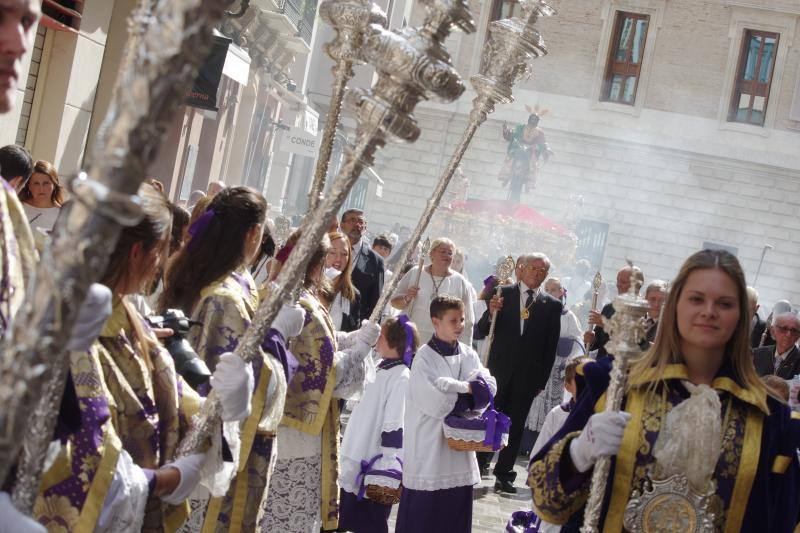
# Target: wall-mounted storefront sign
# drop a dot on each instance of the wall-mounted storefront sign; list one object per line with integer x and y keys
{"x": 298, "y": 141}
{"x": 203, "y": 93}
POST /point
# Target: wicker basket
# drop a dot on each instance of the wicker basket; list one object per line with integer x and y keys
{"x": 470, "y": 446}
{"x": 383, "y": 495}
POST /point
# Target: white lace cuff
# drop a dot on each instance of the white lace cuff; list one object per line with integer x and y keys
{"x": 469, "y": 435}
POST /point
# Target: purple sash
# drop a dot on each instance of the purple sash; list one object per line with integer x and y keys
{"x": 496, "y": 422}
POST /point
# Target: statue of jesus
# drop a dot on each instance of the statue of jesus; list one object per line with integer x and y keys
{"x": 527, "y": 151}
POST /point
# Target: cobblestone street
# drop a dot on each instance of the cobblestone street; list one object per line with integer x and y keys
{"x": 491, "y": 510}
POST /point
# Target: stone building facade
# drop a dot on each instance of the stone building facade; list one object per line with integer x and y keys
{"x": 656, "y": 178}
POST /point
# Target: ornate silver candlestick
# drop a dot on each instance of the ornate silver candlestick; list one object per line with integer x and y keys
{"x": 503, "y": 272}
{"x": 627, "y": 328}
{"x": 426, "y": 249}
{"x": 168, "y": 40}
{"x": 412, "y": 65}
{"x": 352, "y": 20}
{"x": 512, "y": 44}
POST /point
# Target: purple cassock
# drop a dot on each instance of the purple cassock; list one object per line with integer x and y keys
{"x": 426, "y": 511}
{"x": 447, "y": 509}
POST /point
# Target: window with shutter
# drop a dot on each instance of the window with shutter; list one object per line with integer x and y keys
{"x": 62, "y": 15}
{"x": 624, "y": 64}
{"x": 753, "y": 77}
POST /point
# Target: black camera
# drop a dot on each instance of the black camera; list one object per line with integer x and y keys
{"x": 187, "y": 363}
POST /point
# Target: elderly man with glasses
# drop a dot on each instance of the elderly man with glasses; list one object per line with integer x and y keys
{"x": 522, "y": 354}
{"x": 783, "y": 359}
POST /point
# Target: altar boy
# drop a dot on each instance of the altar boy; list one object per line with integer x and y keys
{"x": 437, "y": 481}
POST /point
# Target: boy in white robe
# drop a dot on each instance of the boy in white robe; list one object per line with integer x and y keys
{"x": 437, "y": 481}
{"x": 372, "y": 448}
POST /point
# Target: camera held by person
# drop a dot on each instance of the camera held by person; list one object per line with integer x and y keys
{"x": 187, "y": 363}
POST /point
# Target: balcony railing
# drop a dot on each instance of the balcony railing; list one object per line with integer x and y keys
{"x": 302, "y": 14}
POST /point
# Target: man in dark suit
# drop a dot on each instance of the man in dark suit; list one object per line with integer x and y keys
{"x": 655, "y": 293}
{"x": 368, "y": 266}
{"x": 597, "y": 338}
{"x": 522, "y": 354}
{"x": 783, "y": 359}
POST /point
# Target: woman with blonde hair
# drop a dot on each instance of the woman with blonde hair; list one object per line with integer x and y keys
{"x": 342, "y": 298}
{"x": 694, "y": 408}
{"x": 42, "y": 196}
{"x": 437, "y": 279}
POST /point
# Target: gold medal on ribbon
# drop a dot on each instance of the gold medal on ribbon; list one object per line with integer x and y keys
{"x": 524, "y": 314}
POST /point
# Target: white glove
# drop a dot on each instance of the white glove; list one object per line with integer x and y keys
{"x": 190, "y": 468}
{"x": 233, "y": 381}
{"x": 368, "y": 333}
{"x": 91, "y": 318}
{"x": 289, "y": 321}
{"x": 602, "y": 436}
{"x": 13, "y": 521}
{"x": 446, "y": 384}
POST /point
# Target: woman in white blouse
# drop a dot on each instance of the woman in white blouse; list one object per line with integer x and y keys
{"x": 42, "y": 196}
{"x": 341, "y": 298}
{"x": 436, "y": 279}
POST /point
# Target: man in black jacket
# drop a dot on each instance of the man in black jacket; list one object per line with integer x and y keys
{"x": 368, "y": 266}
{"x": 597, "y": 338}
{"x": 522, "y": 354}
{"x": 783, "y": 359}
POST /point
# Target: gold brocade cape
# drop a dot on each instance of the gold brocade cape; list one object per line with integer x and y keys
{"x": 17, "y": 255}
{"x": 74, "y": 488}
{"x": 152, "y": 407}
{"x": 226, "y": 308}
{"x": 309, "y": 407}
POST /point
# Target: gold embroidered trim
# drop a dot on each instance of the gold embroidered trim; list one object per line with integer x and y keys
{"x": 251, "y": 424}
{"x": 176, "y": 516}
{"x": 550, "y": 501}
{"x": 101, "y": 482}
{"x": 781, "y": 464}
{"x": 751, "y": 451}
{"x": 626, "y": 461}
{"x": 212, "y": 514}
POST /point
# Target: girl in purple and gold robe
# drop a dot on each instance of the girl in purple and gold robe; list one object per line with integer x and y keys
{"x": 224, "y": 240}
{"x": 702, "y": 347}
{"x": 303, "y": 492}
{"x": 119, "y": 471}
{"x": 17, "y": 255}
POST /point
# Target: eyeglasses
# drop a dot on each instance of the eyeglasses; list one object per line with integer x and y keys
{"x": 785, "y": 330}
{"x": 540, "y": 270}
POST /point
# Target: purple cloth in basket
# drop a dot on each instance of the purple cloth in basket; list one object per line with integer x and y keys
{"x": 462, "y": 422}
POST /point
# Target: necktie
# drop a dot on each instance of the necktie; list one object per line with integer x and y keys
{"x": 525, "y": 313}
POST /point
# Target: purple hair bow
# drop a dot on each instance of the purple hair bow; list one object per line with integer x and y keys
{"x": 408, "y": 353}
{"x": 199, "y": 227}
